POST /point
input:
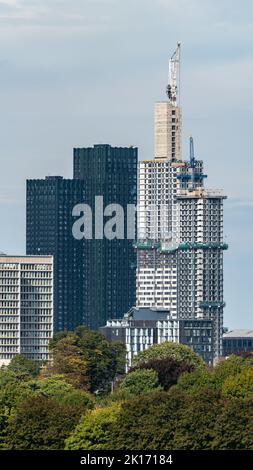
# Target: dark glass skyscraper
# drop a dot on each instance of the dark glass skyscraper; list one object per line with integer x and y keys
{"x": 94, "y": 280}
{"x": 49, "y": 232}
{"x": 109, "y": 265}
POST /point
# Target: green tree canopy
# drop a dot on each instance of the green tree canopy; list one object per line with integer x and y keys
{"x": 22, "y": 368}
{"x": 87, "y": 359}
{"x": 239, "y": 385}
{"x": 68, "y": 360}
{"x": 140, "y": 381}
{"x": 175, "y": 420}
{"x": 13, "y": 393}
{"x": 93, "y": 431}
{"x": 57, "y": 388}
{"x": 197, "y": 419}
{"x": 146, "y": 422}
{"x": 169, "y": 350}
{"x": 234, "y": 425}
{"x": 234, "y": 364}
{"x": 168, "y": 370}
{"x": 194, "y": 381}
{"x": 41, "y": 423}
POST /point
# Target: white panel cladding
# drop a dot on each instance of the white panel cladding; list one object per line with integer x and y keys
{"x": 26, "y": 307}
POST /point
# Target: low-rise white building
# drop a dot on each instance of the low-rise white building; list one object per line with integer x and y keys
{"x": 142, "y": 327}
{"x": 26, "y": 307}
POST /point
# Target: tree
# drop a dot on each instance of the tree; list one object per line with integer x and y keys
{"x": 197, "y": 419}
{"x": 23, "y": 368}
{"x": 13, "y": 393}
{"x": 57, "y": 388}
{"x": 234, "y": 425}
{"x": 247, "y": 357}
{"x": 139, "y": 382}
{"x": 146, "y": 422}
{"x": 168, "y": 370}
{"x": 169, "y": 350}
{"x": 68, "y": 360}
{"x": 93, "y": 431}
{"x": 13, "y": 390}
{"x": 41, "y": 423}
{"x": 194, "y": 381}
{"x": 239, "y": 385}
{"x": 234, "y": 364}
{"x": 175, "y": 420}
{"x": 105, "y": 360}
{"x": 4, "y": 420}
{"x": 87, "y": 359}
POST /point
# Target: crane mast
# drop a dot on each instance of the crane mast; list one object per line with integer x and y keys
{"x": 173, "y": 87}
{"x": 192, "y": 155}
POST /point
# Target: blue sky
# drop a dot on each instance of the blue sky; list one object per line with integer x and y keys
{"x": 74, "y": 73}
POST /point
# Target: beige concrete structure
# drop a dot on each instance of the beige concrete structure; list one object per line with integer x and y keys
{"x": 168, "y": 129}
{"x": 26, "y": 307}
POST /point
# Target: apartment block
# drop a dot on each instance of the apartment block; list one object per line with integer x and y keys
{"x": 26, "y": 307}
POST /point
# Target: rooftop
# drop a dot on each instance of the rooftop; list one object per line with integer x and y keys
{"x": 147, "y": 313}
{"x": 26, "y": 259}
{"x": 239, "y": 334}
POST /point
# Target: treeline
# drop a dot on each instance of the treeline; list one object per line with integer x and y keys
{"x": 169, "y": 400}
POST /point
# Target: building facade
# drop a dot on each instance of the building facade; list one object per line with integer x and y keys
{"x": 180, "y": 227}
{"x": 109, "y": 264}
{"x": 94, "y": 279}
{"x": 237, "y": 341}
{"x": 26, "y": 307}
{"x": 49, "y": 221}
{"x": 142, "y": 327}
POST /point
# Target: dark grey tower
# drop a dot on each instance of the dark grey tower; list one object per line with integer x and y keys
{"x": 94, "y": 279}
{"x": 109, "y": 265}
{"x": 49, "y": 232}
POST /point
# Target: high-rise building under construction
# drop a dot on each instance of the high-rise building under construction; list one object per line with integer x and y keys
{"x": 180, "y": 226}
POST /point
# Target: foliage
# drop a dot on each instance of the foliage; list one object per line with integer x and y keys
{"x": 196, "y": 420}
{"x": 146, "y": 423}
{"x": 140, "y": 381}
{"x": 168, "y": 370}
{"x": 234, "y": 364}
{"x": 14, "y": 393}
{"x": 93, "y": 431}
{"x": 168, "y": 350}
{"x": 41, "y": 423}
{"x": 68, "y": 360}
{"x": 4, "y": 419}
{"x": 23, "y": 368}
{"x": 57, "y": 388}
{"x": 175, "y": 420}
{"x": 87, "y": 359}
{"x": 247, "y": 357}
{"x": 239, "y": 385}
{"x": 193, "y": 382}
{"x": 169, "y": 400}
{"x": 234, "y": 427}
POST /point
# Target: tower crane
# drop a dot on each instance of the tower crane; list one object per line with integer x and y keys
{"x": 173, "y": 87}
